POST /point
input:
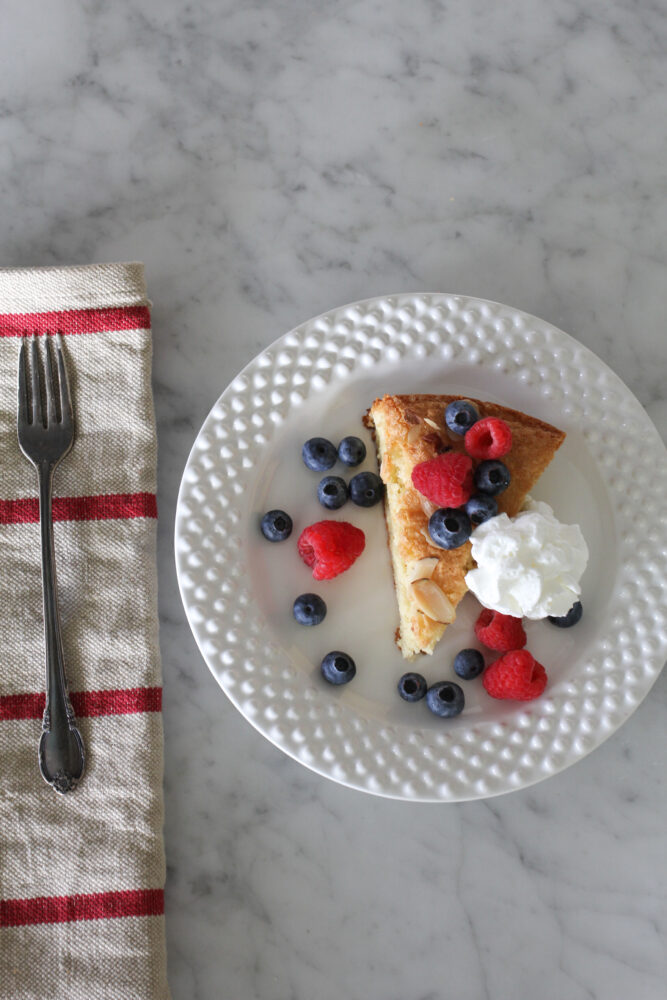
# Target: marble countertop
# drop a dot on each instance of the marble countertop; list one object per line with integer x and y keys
{"x": 269, "y": 161}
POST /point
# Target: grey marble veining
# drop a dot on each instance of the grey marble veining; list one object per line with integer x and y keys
{"x": 269, "y": 161}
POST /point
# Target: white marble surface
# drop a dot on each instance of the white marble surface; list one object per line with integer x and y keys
{"x": 269, "y": 161}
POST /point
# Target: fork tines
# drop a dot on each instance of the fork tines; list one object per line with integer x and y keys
{"x": 55, "y": 387}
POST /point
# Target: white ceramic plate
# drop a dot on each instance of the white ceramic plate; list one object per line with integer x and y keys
{"x": 610, "y": 476}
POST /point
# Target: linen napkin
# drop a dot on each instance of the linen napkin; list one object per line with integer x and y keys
{"x": 82, "y": 874}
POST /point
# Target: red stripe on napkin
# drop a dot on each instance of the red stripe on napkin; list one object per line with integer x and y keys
{"x": 86, "y": 704}
{"x": 92, "y": 906}
{"x": 72, "y": 321}
{"x": 104, "y": 507}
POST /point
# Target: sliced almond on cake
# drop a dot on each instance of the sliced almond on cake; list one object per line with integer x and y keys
{"x": 432, "y": 601}
{"x": 423, "y": 569}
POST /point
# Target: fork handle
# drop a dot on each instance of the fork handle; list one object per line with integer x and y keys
{"x": 61, "y": 753}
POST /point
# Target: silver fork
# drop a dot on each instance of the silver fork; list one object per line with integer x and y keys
{"x": 45, "y": 442}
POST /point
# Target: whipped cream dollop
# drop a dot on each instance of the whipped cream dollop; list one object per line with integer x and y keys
{"x": 528, "y": 566}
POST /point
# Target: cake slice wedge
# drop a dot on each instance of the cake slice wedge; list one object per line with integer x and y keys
{"x": 430, "y": 581}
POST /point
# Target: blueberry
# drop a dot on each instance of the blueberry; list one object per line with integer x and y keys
{"x": 446, "y": 699}
{"x": 366, "y": 489}
{"x": 449, "y": 527}
{"x": 338, "y": 668}
{"x": 461, "y": 415}
{"x": 352, "y": 451}
{"x": 276, "y": 525}
{"x": 319, "y": 454}
{"x": 492, "y": 477}
{"x": 309, "y": 609}
{"x": 468, "y": 664}
{"x": 332, "y": 492}
{"x": 570, "y": 619}
{"x": 481, "y": 507}
{"x": 412, "y": 687}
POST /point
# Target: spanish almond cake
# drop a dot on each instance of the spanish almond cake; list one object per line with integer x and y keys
{"x": 429, "y": 580}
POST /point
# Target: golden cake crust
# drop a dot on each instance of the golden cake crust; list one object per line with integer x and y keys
{"x": 410, "y": 429}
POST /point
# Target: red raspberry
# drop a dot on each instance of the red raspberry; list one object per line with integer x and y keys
{"x": 501, "y": 632}
{"x": 330, "y": 547}
{"x": 516, "y": 675}
{"x": 488, "y": 438}
{"x": 445, "y": 479}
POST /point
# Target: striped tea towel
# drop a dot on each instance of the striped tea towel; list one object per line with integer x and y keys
{"x": 82, "y": 875}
